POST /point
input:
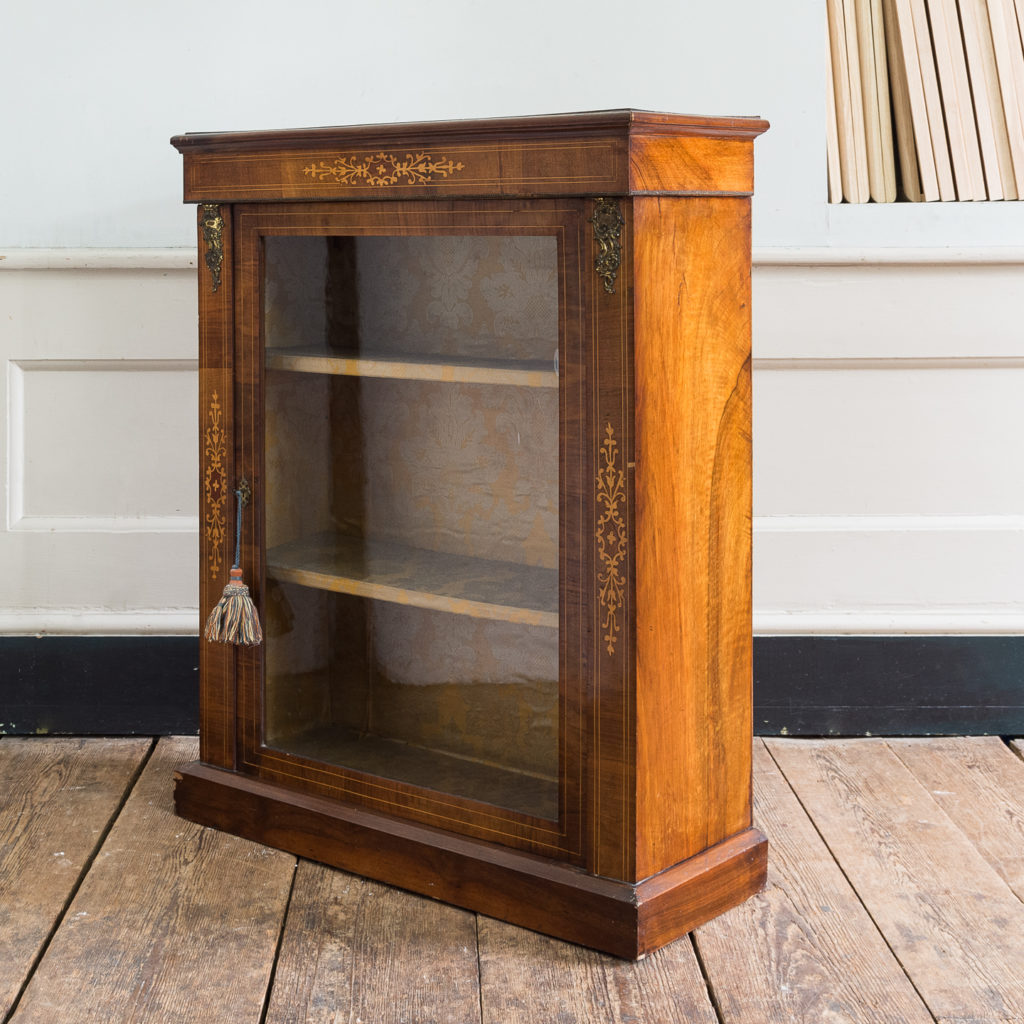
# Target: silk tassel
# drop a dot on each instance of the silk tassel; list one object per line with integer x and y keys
{"x": 234, "y": 619}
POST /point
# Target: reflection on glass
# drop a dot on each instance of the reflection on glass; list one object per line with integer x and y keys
{"x": 412, "y": 510}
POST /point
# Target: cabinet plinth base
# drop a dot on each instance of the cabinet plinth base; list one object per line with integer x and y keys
{"x": 626, "y": 919}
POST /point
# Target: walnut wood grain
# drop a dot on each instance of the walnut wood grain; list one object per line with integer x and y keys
{"x": 814, "y": 953}
{"x": 408, "y": 133}
{"x": 599, "y": 153}
{"x": 932, "y": 895}
{"x": 611, "y": 563}
{"x": 693, "y": 547}
{"x": 678, "y": 899}
{"x": 355, "y": 950}
{"x": 654, "y": 571}
{"x": 217, "y": 479}
{"x": 535, "y": 892}
{"x": 59, "y": 796}
{"x": 574, "y": 487}
{"x": 690, "y": 164}
{"x": 164, "y": 901}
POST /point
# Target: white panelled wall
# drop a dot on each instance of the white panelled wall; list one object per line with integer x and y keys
{"x": 889, "y": 442}
{"x": 888, "y": 431}
{"x": 98, "y": 443}
{"x": 889, "y": 381}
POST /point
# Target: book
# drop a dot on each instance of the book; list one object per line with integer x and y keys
{"x": 910, "y": 50}
{"x": 957, "y": 104}
{"x": 875, "y": 102}
{"x": 936, "y": 121}
{"x": 903, "y": 121}
{"x": 988, "y": 109}
{"x": 849, "y": 108}
{"x": 884, "y": 100}
{"x": 835, "y": 182}
{"x": 1006, "y": 45}
{"x": 931, "y": 90}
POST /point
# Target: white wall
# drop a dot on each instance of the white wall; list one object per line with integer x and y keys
{"x": 98, "y": 443}
{"x": 107, "y": 83}
{"x": 888, "y": 441}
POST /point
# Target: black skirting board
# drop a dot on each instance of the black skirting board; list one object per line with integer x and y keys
{"x": 803, "y": 685}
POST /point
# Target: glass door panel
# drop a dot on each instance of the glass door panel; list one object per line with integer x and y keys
{"x": 412, "y": 496}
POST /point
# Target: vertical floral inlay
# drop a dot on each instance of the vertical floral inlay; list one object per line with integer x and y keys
{"x": 214, "y": 490}
{"x": 611, "y": 537}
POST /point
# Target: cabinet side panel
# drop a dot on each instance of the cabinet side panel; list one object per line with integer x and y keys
{"x": 216, "y": 476}
{"x": 693, "y": 512}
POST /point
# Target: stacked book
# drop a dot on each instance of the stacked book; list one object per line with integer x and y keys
{"x": 926, "y": 100}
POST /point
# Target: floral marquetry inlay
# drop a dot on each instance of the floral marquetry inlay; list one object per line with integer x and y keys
{"x": 383, "y": 169}
{"x": 612, "y": 537}
{"x": 214, "y": 486}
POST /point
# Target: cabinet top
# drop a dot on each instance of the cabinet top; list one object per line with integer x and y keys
{"x": 607, "y": 152}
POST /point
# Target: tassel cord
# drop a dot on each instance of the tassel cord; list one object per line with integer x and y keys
{"x": 238, "y": 530}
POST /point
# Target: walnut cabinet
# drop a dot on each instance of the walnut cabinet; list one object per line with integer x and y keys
{"x": 488, "y": 386}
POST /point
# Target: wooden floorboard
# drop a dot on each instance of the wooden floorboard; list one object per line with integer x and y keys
{"x": 813, "y": 953}
{"x": 532, "y": 979}
{"x": 893, "y": 898}
{"x": 979, "y": 783}
{"x": 355, "y": 950}
{"x": 172, "y": 923}
{"x": 57, "y": 798}
{"x": 954, "y": 924}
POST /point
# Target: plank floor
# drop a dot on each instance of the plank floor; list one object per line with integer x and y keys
{"x": 895, "y": 896}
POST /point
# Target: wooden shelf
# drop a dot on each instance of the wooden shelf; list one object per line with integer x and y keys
{"x": 438, "y": 770}
{"x": 531, "y": 373}
{"x": 383, "y": 571}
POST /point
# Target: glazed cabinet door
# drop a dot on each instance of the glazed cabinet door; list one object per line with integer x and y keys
{"x": 411, "y": 388}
